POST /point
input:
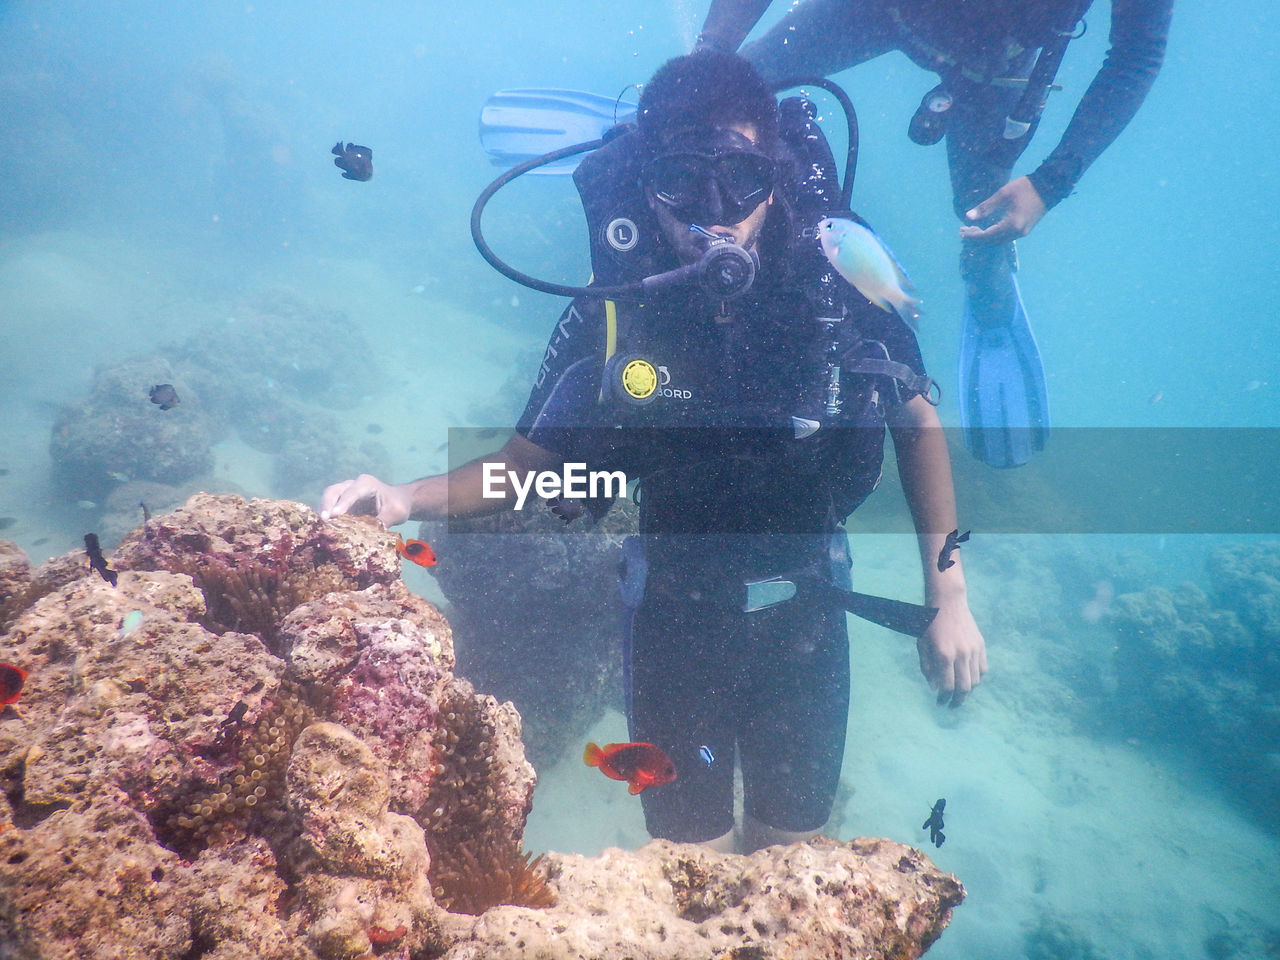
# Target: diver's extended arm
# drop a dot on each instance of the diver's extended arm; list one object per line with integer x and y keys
{"x": 953, "y": 655}
{"x": 1139, "y": 32}
{"x": 457, "y": 493}
{"x": 728, "y": 23}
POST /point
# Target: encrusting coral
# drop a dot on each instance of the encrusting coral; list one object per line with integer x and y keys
{"x": 252, "y": 573}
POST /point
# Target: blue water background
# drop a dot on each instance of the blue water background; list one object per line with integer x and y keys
{"x": 162, "y": 159}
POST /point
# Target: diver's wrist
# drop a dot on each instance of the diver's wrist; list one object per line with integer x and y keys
{"x": 952, "y": 591}
{"x": 425, "y": 501}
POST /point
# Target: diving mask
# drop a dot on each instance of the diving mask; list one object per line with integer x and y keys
{"x": 714, "y": 176}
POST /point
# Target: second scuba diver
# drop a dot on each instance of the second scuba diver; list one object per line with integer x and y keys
{"x": 751, "y": 447}
{"x": 996, "y": 60}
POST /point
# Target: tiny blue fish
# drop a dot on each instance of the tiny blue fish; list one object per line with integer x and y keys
{"x": 707, "y": 756}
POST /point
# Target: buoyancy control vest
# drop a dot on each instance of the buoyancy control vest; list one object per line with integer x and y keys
{"x": 784, "y": 376}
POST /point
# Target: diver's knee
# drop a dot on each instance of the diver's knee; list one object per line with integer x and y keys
{"x": 757, "y": 835}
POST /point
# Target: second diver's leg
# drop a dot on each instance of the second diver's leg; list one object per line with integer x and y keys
{"x": 974, "y": 128}
{"x": 821, "y": 37}
{"x": 1004, "y": 406}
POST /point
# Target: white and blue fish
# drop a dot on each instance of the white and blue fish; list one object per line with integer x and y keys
{"x": 862, "y": 258}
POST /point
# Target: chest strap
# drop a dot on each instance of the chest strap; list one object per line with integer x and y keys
{"x": 899, "y": 373}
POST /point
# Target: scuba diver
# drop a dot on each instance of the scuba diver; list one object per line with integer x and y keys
{"x": 718, "y": 358}
{"x": 996, "y": 60}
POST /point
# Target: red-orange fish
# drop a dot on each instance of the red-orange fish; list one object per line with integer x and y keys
{"x": 640, "y": 764}
{"x": 419, "y": 551}
{"x": 11, "y": 680}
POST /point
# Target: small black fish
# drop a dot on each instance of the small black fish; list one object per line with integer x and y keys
{"x": 934, "y": 824}
{"x": 954, "y": 539}
{"x": 96, "y": 560}
{"x": 7, "y": 522}
{"x": 228, "y": 726}
{"x": 566, "y": 509}
{"x": 355, "y": 161}
{"x": 165, "y": 396}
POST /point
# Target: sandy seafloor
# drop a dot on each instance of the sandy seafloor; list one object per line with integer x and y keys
{"x": 1049, "y": 830}
{"x": 1046, "y": 828}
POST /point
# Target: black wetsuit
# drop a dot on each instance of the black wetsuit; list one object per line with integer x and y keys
{"x": 973, "y": 40}
{"x": 966, "y": 42}
{"x": 725, "y": 498}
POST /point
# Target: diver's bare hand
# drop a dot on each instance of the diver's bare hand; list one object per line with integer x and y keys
{"x": 367, "y": 495}
{"x": 1021, "y": 207}
{"x": 953, "y": 655}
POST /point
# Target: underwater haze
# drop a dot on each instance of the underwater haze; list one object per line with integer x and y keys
{"x": 170, "y": 210}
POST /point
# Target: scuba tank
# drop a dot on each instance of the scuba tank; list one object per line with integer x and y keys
{"x": 818, "y": 195}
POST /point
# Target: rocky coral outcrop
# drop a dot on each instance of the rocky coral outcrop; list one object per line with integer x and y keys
{"x": 253, "y": 746}
{"x": 666, "y": 901}
{"x": 117, "y": 432}
{"x": 266, "y": 373}
{"x": 15, "y": 580}
{"x": 363, "y": 868}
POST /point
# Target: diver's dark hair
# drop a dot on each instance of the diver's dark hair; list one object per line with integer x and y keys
{"x": 706, "y": 88}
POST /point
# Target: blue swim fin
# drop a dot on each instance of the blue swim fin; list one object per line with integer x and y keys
{"x": 517, "y": 125}
{"x": 1004, "y": 407}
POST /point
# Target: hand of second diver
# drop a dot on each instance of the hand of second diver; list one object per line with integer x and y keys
{"x": 1020, "y": 207}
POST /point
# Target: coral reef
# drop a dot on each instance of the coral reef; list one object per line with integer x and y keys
{"x": 1201, "y": 669}
{"x": 15, "y": 581}
{"x": 362, "y": 868}
{"x": 276, "y": 348}
{"x": 176, "y": 789}
{"x": 265, "y": 373}
{"x": 250, "y": 761}
{"x": 475, "y": 840}
{"x": 257, "y": 560}
{"x": 455, "y": 759}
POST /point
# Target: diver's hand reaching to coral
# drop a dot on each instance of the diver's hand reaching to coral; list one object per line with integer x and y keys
{"x": 367, "y": 495}
{"x": 953, "y": 654}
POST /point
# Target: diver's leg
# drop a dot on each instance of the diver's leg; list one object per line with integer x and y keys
{"x": 1004, "y": 406}
{"x": 680, "y": 699}
{"x": 821, "y": 37}
{"x": 757, "y": 835}
{"x": 793, "y": 714}
{"x": 974, "y": 128}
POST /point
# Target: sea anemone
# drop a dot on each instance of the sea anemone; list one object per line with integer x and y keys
{"x": 476, "y": 860}
{"x": 248, "y": 795}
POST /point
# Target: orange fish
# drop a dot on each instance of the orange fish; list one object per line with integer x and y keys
{"x": 419, "y": 551}
{"x": 11, "y": 680}
{"x": 640, "y": 764}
